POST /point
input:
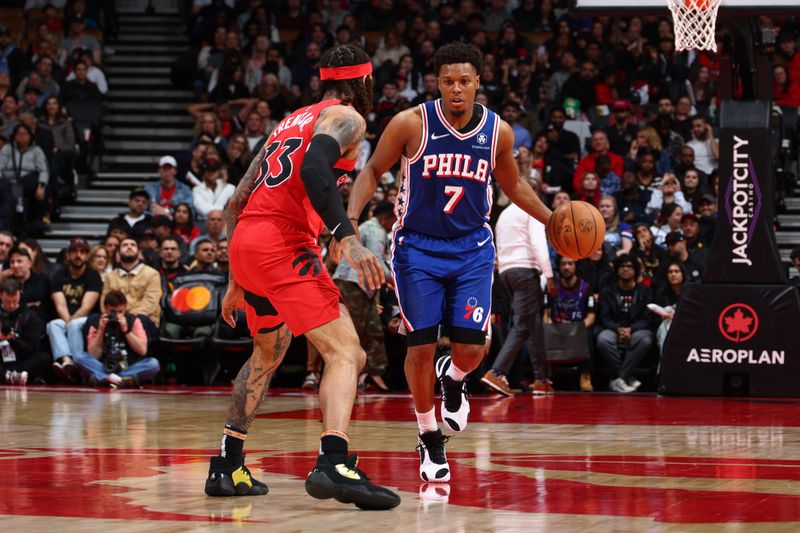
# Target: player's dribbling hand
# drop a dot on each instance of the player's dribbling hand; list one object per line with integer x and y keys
{"x": 366, "y": 265}
{"x": 233, "y": 296}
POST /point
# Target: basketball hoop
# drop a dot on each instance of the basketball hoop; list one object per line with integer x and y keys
{"x": 695, "y": 23}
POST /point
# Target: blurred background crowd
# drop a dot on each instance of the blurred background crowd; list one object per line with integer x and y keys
{"x": 603, "y": 110}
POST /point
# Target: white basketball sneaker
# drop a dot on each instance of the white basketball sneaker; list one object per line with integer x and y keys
{"x": 455, "y": 405}
{"x": 432, "y": 459}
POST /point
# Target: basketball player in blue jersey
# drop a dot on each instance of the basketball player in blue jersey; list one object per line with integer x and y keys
{"x": 442, "y": 248}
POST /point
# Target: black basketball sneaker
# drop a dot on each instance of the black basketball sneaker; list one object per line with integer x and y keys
{"x": 226, "y": 479}
{"x": 455, "y": 403}
{"x": 432, "y": 459}
{"x": 345, "y": 483}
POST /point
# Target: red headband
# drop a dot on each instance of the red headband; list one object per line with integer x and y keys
{"x": 345, "y": 73}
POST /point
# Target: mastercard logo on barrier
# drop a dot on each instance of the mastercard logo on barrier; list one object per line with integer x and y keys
{"x": 187, "y": 299}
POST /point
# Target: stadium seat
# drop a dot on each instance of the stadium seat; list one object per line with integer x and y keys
{"x": 195, "y": 302}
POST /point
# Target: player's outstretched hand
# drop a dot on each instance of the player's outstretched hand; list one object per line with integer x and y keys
{"x": 335, "y": 247}
{"x": 366, "y": 265}
{"x": 233, "y": 296}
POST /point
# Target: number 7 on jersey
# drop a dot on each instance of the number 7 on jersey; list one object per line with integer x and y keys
{"x": 455, "y": 194}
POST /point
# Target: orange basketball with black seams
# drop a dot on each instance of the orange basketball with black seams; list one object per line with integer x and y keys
{"x": 576, "y": 230}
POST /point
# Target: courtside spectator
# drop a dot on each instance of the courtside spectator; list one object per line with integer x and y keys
{"x": 76, "y": 293}
{"x": 204, "y": 256}
{"x": 184, "y": 223}
{"x": 214, "y": 191}
{"x": 167, "y": 193}
{"x": 12, "y": 60}
{"x": 563, "y": 151}
{"x": 136, "y": 220}
{"x": 20, "y": 337}
{"x": 116, "y": 345}
{"x": 625, "y": 338}
{"x": 35, "y": 286}
{"x": 572, "y": 301}
{"x": 77, "y": 38}
{"x": 6, "y": 244}
{"x": 140, "y": 284}
{"x": 693, "y": 262}
{"x": 170, "y": 266}
{"x": 588, "y": 163}
{"x": 361, "y": 303}
{"x": 215, "y": 229}
{"x": 705, "y": 146}
{"x": 25, "y": 166}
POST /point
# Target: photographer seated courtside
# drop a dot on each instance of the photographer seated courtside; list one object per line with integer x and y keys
{"x": 116, "y": 344}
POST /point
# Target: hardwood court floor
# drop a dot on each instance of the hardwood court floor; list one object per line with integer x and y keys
{"x": 81, "y": 459}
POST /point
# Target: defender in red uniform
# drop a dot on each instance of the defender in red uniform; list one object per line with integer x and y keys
{"x": 287, "y": 196}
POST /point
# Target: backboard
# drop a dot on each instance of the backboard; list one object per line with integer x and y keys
{"x": 654, "y": 7}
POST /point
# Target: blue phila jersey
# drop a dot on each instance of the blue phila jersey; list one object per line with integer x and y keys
{"x": 447, "y": 185}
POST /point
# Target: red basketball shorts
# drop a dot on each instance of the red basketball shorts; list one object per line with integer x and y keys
{"x": 283, "y": 276}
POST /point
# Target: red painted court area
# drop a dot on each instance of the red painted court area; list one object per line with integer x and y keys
{"x": 593, "y": 409}
{"x": 634, "y": 462}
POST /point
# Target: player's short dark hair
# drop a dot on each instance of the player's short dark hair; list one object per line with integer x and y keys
{"x": 114, "y": 298}
{"x": 458, "y": 52}
{"x": 383, "y": 208}
{"x": 354, "y": 91}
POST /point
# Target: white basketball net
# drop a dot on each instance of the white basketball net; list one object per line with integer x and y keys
{"x": 695, "y": 23}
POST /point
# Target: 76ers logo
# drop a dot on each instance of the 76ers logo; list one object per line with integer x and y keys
{"x": 738, "y": 322}
{"x": 473, "y": 311}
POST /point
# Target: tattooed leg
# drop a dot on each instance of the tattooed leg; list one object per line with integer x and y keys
{"x": 252, "y": 383}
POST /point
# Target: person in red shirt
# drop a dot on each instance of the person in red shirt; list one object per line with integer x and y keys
{"x": 588, "y": 163}
{"x": 787, "y": 43}
{"x": 281, "y": 205}
{"x": 787, "y": 90}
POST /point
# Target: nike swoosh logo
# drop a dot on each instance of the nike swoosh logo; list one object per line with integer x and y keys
{"x": 435, "y": 137}
{"x": 487, "y": 239}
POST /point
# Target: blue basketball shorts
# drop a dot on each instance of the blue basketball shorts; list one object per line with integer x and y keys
{"x": 444, "y": 281}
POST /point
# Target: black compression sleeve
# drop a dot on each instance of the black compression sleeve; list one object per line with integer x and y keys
{"x": 320, "y": 181}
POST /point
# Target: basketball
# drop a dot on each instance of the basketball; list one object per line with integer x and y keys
{"x": 576, "y": 230}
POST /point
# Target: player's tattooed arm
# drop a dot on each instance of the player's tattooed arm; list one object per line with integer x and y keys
{"x": 345, "y": 125}
{"x": 242, "y": 194}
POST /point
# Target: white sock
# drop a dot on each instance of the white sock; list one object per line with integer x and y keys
{"x": 456, "y": 373}
{"x": 113, "y": 378}
{"x": 426, "y": 421}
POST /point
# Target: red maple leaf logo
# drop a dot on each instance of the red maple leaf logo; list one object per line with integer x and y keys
{"x": 738, "y": 322}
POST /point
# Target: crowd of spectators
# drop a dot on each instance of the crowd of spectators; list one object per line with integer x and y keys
{"x": 52, "y": 87}
{"x": 603, "y": 110}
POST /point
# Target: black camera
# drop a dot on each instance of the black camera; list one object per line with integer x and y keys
{"x": 6, "y": 329}
{"x": 112, "y": 325}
